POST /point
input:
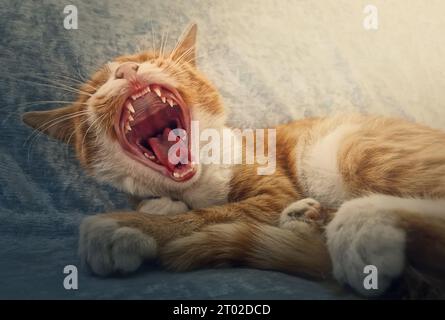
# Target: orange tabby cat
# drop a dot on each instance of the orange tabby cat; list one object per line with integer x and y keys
{"x": 347, "y": 191}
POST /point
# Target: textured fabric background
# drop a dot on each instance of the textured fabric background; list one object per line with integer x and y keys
{"x": 272, "y": 61}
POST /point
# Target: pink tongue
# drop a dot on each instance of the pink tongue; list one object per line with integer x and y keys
{"x": 160, "y": 146}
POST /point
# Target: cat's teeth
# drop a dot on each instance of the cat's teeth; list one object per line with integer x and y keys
{"x": 130, "y": 107}
{"x": 149, "y": 156}
{"x": 158, "y": 91}
{"x": 148, "y": 89}
{"x": 170, "y": 102}
{"x": 163, "y": 99}
{"x": 130, "y": 118}
{"x": 127, "y": 127}
{"x": 182, "y": 174}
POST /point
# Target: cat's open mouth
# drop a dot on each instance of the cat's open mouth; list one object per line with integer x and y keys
{"x": 144, "y": 125}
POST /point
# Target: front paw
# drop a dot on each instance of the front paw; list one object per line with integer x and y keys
{"x": 364, "y": 233}
{"x": 303, "y": 211}
{"x": 106, "y": 247}
{"x": 162, "y": 205}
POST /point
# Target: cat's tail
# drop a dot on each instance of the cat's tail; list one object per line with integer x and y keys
{"x": 302, "y": 253}
{"x": 404, "y": 239}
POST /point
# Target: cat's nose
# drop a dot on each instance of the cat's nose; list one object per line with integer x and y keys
{"x": 126, "y": 70}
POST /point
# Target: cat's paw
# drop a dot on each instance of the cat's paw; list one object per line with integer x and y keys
{"x": 106, "y": 247}
{"x": 364, "y": 233}
{"x": 162, "y": 205}
{"x": 303, "y": 211}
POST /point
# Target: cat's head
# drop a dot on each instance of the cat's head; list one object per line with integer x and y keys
{"x": 120, "y": 123}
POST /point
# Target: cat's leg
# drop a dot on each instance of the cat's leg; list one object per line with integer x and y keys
{"x": 301, "y": 250}
{"x": 297, "y": 246}
{"x": 119, "y": 242}
{"x": 107, "y": 247}
{"x": 383, "y": 231}
{"x": 163, "y": 205}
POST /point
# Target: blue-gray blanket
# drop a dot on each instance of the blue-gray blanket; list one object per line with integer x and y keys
{"x": 271, "y": 61}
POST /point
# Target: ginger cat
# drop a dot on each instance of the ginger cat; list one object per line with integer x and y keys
{"x": 347, "y": 191}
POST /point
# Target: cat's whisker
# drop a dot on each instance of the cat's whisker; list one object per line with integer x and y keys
{"x": 153, "y": 44}
{"x": 184, "y": 55}
{"x": 68, "y": 141}
{"x": 45, "y": 126}
{"x": 89, "y": 128}
{"x": 30, "y": 141}
{"x": 164, "y": 44}
{"x": 54, "y": 82}
{"x": 101, "y": 129}
{"x": 42, "y": 102}
{"x": 35, "y": 103}
{"x": 54, "y": 76}
{"x": 177, "y": 64}
{"x": 176, "y": 47}
{"x": 160, "y": 45}
{"x": 71, "y": 90}
{"x": 39, "y": 131}
{"x": 79, "y": 72}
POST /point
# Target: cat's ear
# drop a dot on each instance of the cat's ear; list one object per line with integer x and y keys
{"x": 185, "y": 50}
{"x": 56, "y": 123}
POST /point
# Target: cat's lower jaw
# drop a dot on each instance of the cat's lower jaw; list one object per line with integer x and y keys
{"x": 162, "y": 206}
{"x": 107, "y": 248}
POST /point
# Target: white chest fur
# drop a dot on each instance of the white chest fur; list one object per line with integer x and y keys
{"x": 212, "y": 188}
{"x": 318, "y": 170}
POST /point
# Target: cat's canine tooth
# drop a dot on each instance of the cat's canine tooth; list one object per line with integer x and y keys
{"x": 130, "y": 107}
{"x": 148, "y": 89}
{"x": 134, "y": 97}
{"x": 127, "y": 127}
{"x": 170, "y": 102}
{"x": 163, "y": 99}
{"x": 158, "y": 91}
